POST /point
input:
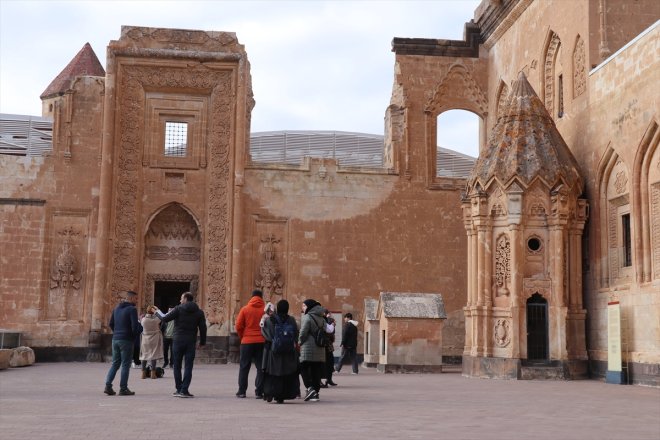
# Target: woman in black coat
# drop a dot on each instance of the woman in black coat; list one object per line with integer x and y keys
{"x": 280, "y": 365}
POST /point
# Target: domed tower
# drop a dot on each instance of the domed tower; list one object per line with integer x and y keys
{"x": 524, "y": 219}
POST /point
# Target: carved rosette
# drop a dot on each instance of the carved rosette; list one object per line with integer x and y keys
{"x": 132, "y": 83}
{"x": 502, "y": 333}
{"x": 502, "y": 265}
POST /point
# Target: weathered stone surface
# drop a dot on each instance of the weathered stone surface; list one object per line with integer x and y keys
{"x": 21, "y": 357}
{"x": 370, "y": 309}
{"x": 412, "y": 305}
{"x": 5, "y": 355}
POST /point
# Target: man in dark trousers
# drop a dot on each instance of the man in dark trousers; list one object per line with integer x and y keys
{"x": 188, "y": 319}
{"x": 252, "y": 344}
{"x": 349, "y": 338}
{"x": 124, "y": 326}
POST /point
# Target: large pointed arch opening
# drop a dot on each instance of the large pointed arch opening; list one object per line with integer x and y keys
{"x": 172, "y": 256}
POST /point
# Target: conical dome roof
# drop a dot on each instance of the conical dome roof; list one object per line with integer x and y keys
{"x": 85, "y": 63}
{"x": 526, "y": 144}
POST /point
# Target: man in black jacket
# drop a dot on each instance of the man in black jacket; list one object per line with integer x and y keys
{"x": 349, "y": 339}
{"x": 188, "y": 318}
{"x": 124, "y": 326}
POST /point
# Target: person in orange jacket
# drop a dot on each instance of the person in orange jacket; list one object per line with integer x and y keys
{"x": 252, "y": 344}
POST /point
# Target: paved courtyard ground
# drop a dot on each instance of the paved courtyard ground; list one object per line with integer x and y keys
{"x": 66, "y": 401}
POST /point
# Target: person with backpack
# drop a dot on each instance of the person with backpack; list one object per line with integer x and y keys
{"x": 280, "y": 357}
{"x": 313, "y": 341}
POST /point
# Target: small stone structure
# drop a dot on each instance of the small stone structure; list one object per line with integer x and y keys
{"x": 371, "y": 333}
{"x": 410, "y": 332}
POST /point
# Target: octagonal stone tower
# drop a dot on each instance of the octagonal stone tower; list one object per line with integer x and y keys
{"x": 524, "y": 219}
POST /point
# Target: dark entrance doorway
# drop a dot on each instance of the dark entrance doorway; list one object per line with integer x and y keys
{"x": 168, "y": 293}
{"x": 537, "y": 328}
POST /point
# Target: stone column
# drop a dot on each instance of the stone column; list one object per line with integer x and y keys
{"x": 557, "y": 249}
{"x": 105, "y": 207}
{"x": 481, "y": 265}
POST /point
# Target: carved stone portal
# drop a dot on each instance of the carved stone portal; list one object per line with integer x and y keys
{"x": 269, "y": 278}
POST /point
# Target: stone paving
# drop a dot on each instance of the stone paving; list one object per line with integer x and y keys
{"x": 66, "y": 401}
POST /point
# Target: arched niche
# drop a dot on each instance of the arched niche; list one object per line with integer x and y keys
{"x": 172, "y": 255}
{"x": 646, "y": 206}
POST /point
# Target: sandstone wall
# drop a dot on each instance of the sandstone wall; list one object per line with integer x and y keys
{"x": 605, "y": 121}
{"x": 351, "y": 235}
{"x": 49, "y": 208}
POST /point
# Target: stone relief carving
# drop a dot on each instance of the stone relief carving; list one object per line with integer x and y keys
{"x": 497, "y": 204}
{"x": 173, "y": 223}
{"x": 549, "y": 72}
{"x": 65, "y": 273}
{"x": 655, "y": 228}
{"x": 181, "y": 36}
{"x": 457, "y": 83}
{"x": 537, "y": 210}
{"x": 269, "y": 278}
{"x": 183, "y": 253}
{"x": 612, "y": 233}
{"x": 579, "y": 68}
{"x": 502, "y": 265}
{"x": 621, "y": 182}
{"x": 535, "y": 285}
{"x": 133, "y": 80}
{"x": 502, "y": 333}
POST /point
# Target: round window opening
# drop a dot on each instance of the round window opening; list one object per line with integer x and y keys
{"x": 534, "y": 244}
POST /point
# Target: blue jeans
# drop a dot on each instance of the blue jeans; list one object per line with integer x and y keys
{"x": 183, "y": 349}
{"x": 122, "y": 355}
{"x": 250, "y": 353}
{"x": 348, "y": 353}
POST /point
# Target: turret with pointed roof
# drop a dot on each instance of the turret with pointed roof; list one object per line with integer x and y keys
{"x": 525, "y": 144}
{"x": 85, "y": 63}
{"x": 524, "y": 220}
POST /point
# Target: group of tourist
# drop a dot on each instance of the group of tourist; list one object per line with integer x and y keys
{"x": 281, "y": 352}
{"x": 269, "y": 338}
{"x": 189, "y": 320}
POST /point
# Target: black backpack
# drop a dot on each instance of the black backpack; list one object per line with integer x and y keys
{"x": 321, "y": 338}
{"x": 284, "y": 336}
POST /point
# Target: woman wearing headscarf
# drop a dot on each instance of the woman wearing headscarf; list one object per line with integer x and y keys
{"x": 280, "y": 360}
{"x": 312, "y": 357}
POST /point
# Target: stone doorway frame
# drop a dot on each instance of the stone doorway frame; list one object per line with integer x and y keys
{"x": 151, "y": 278}
{"x": 539, "y": 301}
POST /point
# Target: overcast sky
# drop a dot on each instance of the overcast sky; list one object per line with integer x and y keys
{"x": 316, "y": 65}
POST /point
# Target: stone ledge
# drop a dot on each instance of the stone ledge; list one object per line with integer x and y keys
{"x": 399, "y": 368}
